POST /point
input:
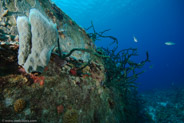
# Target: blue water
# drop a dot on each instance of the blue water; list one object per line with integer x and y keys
{"x": 152, "y": 22}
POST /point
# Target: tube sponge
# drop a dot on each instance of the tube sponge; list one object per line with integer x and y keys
{"x": 44, "y": 36}
{"x": 24, "y": 29}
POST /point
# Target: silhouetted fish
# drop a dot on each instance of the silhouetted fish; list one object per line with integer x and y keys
{"x": 170, "y": 43}
{"x": 135, "y": 39}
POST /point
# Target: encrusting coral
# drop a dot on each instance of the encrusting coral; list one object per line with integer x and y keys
{"x": 71, "y": 116}
{"x": 19, "y": 105}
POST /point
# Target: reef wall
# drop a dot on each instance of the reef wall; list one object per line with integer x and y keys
{"x": 61, "y": 93}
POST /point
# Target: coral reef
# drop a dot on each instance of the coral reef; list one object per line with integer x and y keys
{"x": 78, "y": 84}
{"x": 44, "y": 93}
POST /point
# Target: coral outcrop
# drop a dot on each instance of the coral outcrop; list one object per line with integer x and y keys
{"x": 45, "y": 93}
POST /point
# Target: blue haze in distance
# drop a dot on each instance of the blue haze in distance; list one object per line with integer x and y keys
{"x": 152, "y": 22}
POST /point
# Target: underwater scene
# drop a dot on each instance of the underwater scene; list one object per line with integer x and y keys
{"x": 91, "y": 61}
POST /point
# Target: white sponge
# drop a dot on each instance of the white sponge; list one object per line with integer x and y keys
{"x": 44, "y": 37}
{"x": 24, "y": 29}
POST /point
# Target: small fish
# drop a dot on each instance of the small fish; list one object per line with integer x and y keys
{"x": 135, "y": 39}
{"x": 170, "y": 43}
